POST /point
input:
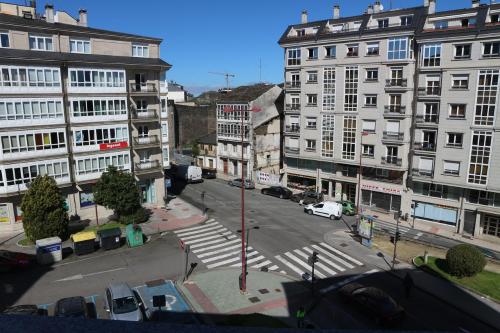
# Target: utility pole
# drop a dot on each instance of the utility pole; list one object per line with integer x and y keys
{"x": 187, "y": 249}
{"x": 312, "y": 260}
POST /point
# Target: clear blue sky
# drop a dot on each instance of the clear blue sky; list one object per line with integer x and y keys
{"x": 200, "y": 36}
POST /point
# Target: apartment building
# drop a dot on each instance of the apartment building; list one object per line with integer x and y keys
{"x": 208, "y": 151}
{"x": 398, "y": 107}
{"x": 74, "y": 100}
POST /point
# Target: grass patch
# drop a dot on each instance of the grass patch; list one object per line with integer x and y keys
{"x": 486, "y": 282}
{"x": 109, "y": 225}
{"x": 252, "y": 320}
{"x": 26, "y": 242}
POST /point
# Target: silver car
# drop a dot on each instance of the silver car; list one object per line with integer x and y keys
{"x": 121, "y": 303}
{"x": 249, "y": 185}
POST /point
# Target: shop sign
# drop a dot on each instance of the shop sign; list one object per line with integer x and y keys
{"x": 114, "y": 145}
{"x": 382, "y": 189}
{"x": 86, "y": 199}
{"x": 4, "y": 214}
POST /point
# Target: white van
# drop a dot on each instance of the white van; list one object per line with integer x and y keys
{"x": 330, "y": 209}
{"x": 189, "y": 173}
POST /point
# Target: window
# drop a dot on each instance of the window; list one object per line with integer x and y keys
{"x": 406, "y": 20}
{"x": 140, "y": 50}
{"x": 480, "y": 157}
{"x": 369, "y": 125}
{"x": 491, "y": 49}
{"x": 372, "y": 74}
{"x": 330, "y": 51}
{"x": 451, "y": 168}
{"x": 311, "y": 122}
{"x": 100, "y": 164}
{"x": 392, "y": 155}
{"x": 454, "y": 139}
{"x": 433, "y": 85}
{"x": 301, "y": 32}
{"x": 495, "y": 18}
{"x": 328, "y": 89}
{"x": 349, "y": 138}
{"x": 383, "y": 23}
{"x": 353, "y": 50}
{"x": 311, "y": 145}
{"x": 4, "y": 39}
{"x": 166, "y": 159}
{"x": 483, "y": 198}
{"x": 372, "y": 49}
{"x": 487, "y": 90}
{"x": 327, "y": 135}
{"x": 351, "y": 88}
{"x": 396, "y": 76}
{"x": 26, "y": 173}
{"x": 12, "y": 76}
{"x": 312, "y": 99}
{"x": 395, "y": 103}
{"x": 96, "y": 78}
{"x": 93, "y": 136}
{"x": 397, "y": 48}
{"x": 431, "y": 55}
{"x": 368, "y": 150}
{"x": 468, "y": 22}
{"x": 164, "y": 131}
{"x": 33, "y": 141}
{"x": 431, "y": 113}
{"x": 426, "y": 166}
{"x": 392, "y": 128}
{"x": 79, "y": 46}
{"x": 312, "y": 53}
{"x": 441, "y": 25}
{"x": 293, "y": 57}
{"x": 98, "y": 107}
{"x": 312, "y": 77}
{"x": 41, "y": 43}
{"x": 371, "y": 100}
{"x": 457, "y": 111}
{"x": 460, "y": 81}
{"x": 462, "y": 51}
{"x": 28, "y": 109}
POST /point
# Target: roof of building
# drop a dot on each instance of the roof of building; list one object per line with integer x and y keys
{"x": 244, "y": 94}
{"x": 172, "y": 86}
{"x": 21, "y": 23}
{"x": 209, "y": 139}
{"x": 79, "y": 59}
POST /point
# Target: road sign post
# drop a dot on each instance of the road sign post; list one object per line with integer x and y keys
{"x": 312, "y": 260}
{"x": 397, "y": 215}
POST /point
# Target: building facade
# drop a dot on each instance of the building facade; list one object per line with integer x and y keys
{"x": 208, "y": 151}
{"x": 74, "y": 100}
{"x": 398, "y": 108}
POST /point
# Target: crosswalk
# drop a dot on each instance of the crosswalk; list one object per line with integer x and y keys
{"x": 216, "y": 246}
{"x": 331, "y": 261}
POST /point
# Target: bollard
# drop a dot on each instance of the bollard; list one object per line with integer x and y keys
{"x": 426, "y": 257}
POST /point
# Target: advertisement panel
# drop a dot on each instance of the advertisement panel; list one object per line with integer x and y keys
{"x": 114, "y": 145}
{"x": 4, "y": 214}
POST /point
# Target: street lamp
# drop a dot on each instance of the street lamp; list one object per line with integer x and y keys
{"x": 228, "y": 108}
{"x": 358, "y": 215}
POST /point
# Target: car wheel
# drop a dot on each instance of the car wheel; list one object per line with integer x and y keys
{"x": 309, "y": 211}
{"x": 332, "y": 217}
{"x": 281, "y": 196}
{"x": 264, "y": 192}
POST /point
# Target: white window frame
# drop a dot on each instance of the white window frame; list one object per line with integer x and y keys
{"x": 33, "y": 77}
{"x": 312, "y": 99}
{"x": 487, "y": 97}
{"x": 462, "y": 48}
{"x": 96, "y": 78}
{"x": 88, "y": 136}
{"x": 312, "y": 77}
{"x": 311, "y": 122}
{"x": 452, "y": 171}
{"x": 108, "y": 106}
{"x": 30, "y": 109}
{"x": 327, "y": 135}
{"x": 453, "y": 111}
{"x": 354, "y": 48}
{"x": 370, "y": 77}
{"x": 371, "y": 100}
{"x": 452, "y": 139}
{"x": 311, "y": 144}
{"x": 329, "y": 82}
{"x": 368, "y": 150}
{"x": 84, "y": 44}
{"x": 369, "y": 125}
{"x": 398, "y": 48}
{"x": 351, "y": 83}
{"x": 493, "y": 45}
{"x": 293, "y": 56}
{"x": 349, "y": 137}
{"x": 32, "y": 141}
{"x": 333, "y": 49}
{"x": 98, "y": 164}
{"x": 460, "y": 79}
{"x": 140, "y": 50}
{"x": 431, "y": 55}
{"x": 40, "y": 42}
{"x": 373, "y": 48}
{"x": 481, "y": 148}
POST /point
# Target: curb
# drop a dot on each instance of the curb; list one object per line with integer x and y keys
{"x": 11, "y": 238}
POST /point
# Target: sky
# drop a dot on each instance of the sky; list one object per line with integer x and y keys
{"x": 235, "y": 36}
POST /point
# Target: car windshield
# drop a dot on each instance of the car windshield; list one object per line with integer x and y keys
{"x": 124, "y": 305}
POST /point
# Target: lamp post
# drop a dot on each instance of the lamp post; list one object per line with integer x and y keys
{"x": 227, "y": 108}
{"x": 358, "y": 215}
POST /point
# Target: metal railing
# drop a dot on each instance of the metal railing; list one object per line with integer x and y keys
{"x": 392, "y": 160}
{"x": 292, "y": 128}
{"x": 292, "y": 150}
{"x": 425, "y": 146}
{"x": 397, "y": 136}
{"x": 144, "y": 114}
{"x": 146, "y": 140}
{"x": 292, "y": 84}
{"x": 143, "y": 87}
{"x": 147, "y": 165}
{"x": 292, "y": 107}
{"x": 395, "y": 109}
{"x": 427, "y": 119}
{"x": 396, "y": 82}
{"x": 422, "y": 172}
{"x": 429, "y": 91}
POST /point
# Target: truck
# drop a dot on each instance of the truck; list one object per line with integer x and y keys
{"x": 188, "y": 173}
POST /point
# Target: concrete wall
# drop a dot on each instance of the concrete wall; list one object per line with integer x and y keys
{"x": 193, "y": 122}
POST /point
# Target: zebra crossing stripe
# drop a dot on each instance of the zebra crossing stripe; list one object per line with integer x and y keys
{"x": 322, "y": 258}
{"x": 201, "y": 231}
{"x": 208, "y": 238}
{"x": 262, "y": 264}
{"x": 222, "y": 256}
{"x": 219, "y": 240}
{"x": 206, "y": 254}
{"x": 318, "y": 264}
{"x": 228, "y": 261}
{"x": 195, "y": 228}
{"x": 346, "y": 281}
{"x": 292, "y": 267}
{"x": 219, "y": 230}
{"x": 251, "y": 254}
{"x": 303, "y": 264}
{"x": 217, "y": 245}
{"x": 323, "y": 251}
{"x": 255, "y": 259}
{"x": 273, "y": 268}
{"x": 342, "y": 254}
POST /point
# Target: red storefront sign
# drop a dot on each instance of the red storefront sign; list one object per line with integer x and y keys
{"x": 114, "y": 145}
{"x": 382, "y": 189}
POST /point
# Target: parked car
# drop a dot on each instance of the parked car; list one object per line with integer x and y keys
{"x": 14, "y": 260}
{"x": 25, "y": 310}
{"x": 307, "y": 197}
{"x": 208, "y": 173}
{"x": 330, "y": 209}
{"x": 348, "y": 208}
{"x": 188, "y": 173}
{"x": 71, "y": 307}
{"x": 237, "y": 182}
{"x": 277, "y": 191}
{"x": 373, "y": 301}
{"x": 121, "y": 303}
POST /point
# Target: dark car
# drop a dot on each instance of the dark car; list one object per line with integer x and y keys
{"x": 14, "y": 260}
{"x": 71, "y": 307}
{"x": 25, "y": 310}
{"x": 307, "y": 197}
{"x": 208, "y": 173}
{"x": 374, "y": 302}
{"x": 277, "y": 191}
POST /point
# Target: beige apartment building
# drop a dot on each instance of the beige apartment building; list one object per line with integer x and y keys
{"x": 74, "y": 100}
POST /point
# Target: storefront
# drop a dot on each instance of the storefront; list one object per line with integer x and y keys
{"x": 381, "y": 197}
{"x": 300, "y": 182}
{"x": 491, "y": 225}
{"x": 435, "y": 213}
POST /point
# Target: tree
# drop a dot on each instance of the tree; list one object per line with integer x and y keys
{"x": 465, "y": 260}
{"x": 195, "y": 149}
{"x": 117, "y": 190}
{"x": 44, "y": 213}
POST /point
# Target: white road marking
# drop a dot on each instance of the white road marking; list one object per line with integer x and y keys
{"x": 290, "y": 265}
{"x": 303, "y": 264}
{"x": 342, "y": 254}
{"x": 195, "y": 228}
{"x": 219, "y": 240}
{"x": 255, "y": 259}
{"x": 320, "y": 249}
{"x": 208, "y": 238}
{"x": 262, "y": 264}
{"x": 225, "y": 249}
{"x": 346, "y": 281}
{"x": 218, "y": 231}
{"x": 418, "y": 235}
{"x": 251, "y": 254}
{"x": 212, "y": 227}
{"x": 273, "y": 268}
{"x": 81, "y": 276}
{"x": 217, "y": 245}
{"x": 318, "y": 264}
{"x": 323, "y": 259}
{"x": 225, "y": 255}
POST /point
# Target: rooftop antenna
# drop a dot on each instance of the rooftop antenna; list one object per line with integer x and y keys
{"x": 227, "y": 76}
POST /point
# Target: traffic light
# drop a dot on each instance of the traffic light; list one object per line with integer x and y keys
{"x": 398, "y": 236}
{"x": 313, "y": 258}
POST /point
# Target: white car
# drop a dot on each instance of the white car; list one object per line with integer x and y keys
{"x": 330, "y": 209}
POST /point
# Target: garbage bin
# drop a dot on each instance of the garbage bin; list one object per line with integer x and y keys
{"x": 134, "y": 235}
{"x": 109, "y": 238}
{"x": 48, "y": 250}
{"x": 83, "y": 242}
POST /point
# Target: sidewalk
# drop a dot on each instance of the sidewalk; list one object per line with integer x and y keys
{"x": 483, "y": 309}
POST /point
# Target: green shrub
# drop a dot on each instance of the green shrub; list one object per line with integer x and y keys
{"x": 465, "y": 260}
{"x": 140, "y": 216}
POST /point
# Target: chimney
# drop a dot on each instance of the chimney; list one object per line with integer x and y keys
{"x": 426, "y": 3}
{"x": 336, "y": 12}
{"x": 370, "y": 9}
{"x": 303, "y": 17}
{"x": 432, "y": 7}
{"x": 377, "y": 7}
{"x": 49, "y": 13}
{"x": 476, "y": 3}
{"x": 83, "y": 18}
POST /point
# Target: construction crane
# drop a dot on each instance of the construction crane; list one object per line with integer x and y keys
{"x": 227, "y": 76}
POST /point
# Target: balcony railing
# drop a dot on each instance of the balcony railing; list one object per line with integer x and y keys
{"x": 292, "y": 85}
{"x": 146, "y": 140}
{"x": 147, "y": 165}
{"x": 295, "y": 128}
{"x": 395, "y": 136}
{"x": 422, "y": 172}
{"x": 427, "y": 119}
{"x": 396, "y": 83}
{"x": 425, "y": 146}
{"x": 148, "y": 114}
{"x": 384, "y": 179}
{"x": 392, "y": 160}
{"x": 429, "y": 92}
{"x": 143, "y": 87}
{"x": 388, "y": 109}
{"x": 292, "y": 150}
{"x": 292, "y": 107}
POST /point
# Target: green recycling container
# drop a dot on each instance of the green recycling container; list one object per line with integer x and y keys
{"x": 134, "y": 235}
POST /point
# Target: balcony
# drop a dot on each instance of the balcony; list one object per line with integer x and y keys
{"x": 143, "y": 88}
{"x": 292, "y": 85}
{"x": 429, "y": 92}
{"x": 146, "y": 140}
{"x": 147, "y": 166}
{"x": 394, "y": 110}
{"x": 292, "y": 129}
{"x": 294, "y": 108}
{"x": 426, "y": 119}
{"x": 392, "y": 160}
{"x": 425, "y": 146}
{"x": 144, "y": 115}
{"x": 292, "y": 150}
{"x": 422, "y": 173}
{"x": 393, "y": 136}
{"x": 396, "y": 83}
